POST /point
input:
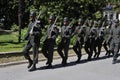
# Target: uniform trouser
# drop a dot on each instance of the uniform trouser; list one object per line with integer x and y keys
{"x": 47, "y": 50}
{"x": 90, "y": 47}
{"x": 77, "y": 49}
{"x": 99, "y": 49}
{"x": 87, "y": 47}
{"x": 27, "y": 47}
{"x": 63, "y": 45}
{"x": 99, "y": 42}
{"x": 114, "y": 47}
{"x": 105, "y": 46}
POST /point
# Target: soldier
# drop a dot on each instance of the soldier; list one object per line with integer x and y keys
{"x": 115, "y": 40}
{"x": 33, "y": 37}
{"x": 80, "y": 31}
{"x": 66, "y": 32}
{"x": 100, "y": 37}
{"x": 91, "y": 33}
{"x": 106, "y": 44}
{"x": 50, "y": 41}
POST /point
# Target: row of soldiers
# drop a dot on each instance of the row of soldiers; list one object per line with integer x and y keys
{"x": 90, "y": 34}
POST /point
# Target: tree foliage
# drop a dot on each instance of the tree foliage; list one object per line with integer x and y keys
{"x": 71, "y": 8}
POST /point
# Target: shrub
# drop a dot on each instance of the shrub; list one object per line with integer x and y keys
{"x": 14, "y": 27}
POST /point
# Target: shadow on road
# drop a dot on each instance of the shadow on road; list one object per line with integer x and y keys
{"x": 118, "y": 61}
{"x": 74, "y": 63}
{"x": 62, "y": 66}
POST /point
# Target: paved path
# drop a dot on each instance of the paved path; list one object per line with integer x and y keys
{"x": 101, "y": 69}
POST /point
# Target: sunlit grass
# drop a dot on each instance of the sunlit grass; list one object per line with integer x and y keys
{"x": 9, "y": 42}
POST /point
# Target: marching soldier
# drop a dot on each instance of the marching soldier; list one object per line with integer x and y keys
{"x": 66, "y": 32}
{"x": 50, "y": 41}
{"x": 106, "y": 44}
{"x": 90, "y": 39}
{"x": 100, "y": 38}
{"x": 33, "y": 37}
{"x": 80, "y": 31}
{"x": 115, "y": 40}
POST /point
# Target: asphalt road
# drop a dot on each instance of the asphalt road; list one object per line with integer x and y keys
{"x": 101, "y": 69}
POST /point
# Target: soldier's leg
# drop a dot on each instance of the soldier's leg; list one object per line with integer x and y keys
{"x": 35, "y": 55}
{"x": 59, "y": 49}
{"x": 87, "y": 46}
{"x": 99, "y": 50}
{"x": 66, "y": 48}
{"x": 96, "y": 44}
{"x": 91, "y": 53}
{"x": 112, "y": 46}
{"x": 50, "y": 55}
{"x": 92, "y": 48}
{"x": 76, "y": 48}
{"x": 99, "y": 44}
{"x": 26, "y": 53}
{"x": 79, "y": 54}
{"x": 44, "y": 50}
{"x": 95, "y": 49}
{"x": 106, "y": 48}
{"x": 116, "y": 50}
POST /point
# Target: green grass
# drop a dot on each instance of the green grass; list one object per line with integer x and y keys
{"x": 9, "y": 42}
{"x": 9, "y": 47}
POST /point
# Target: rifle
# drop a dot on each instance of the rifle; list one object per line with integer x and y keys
{"x": 31, "y": 31}
{"x": 36, "y": 21}
{"x": 55, "y": 20}
{"x": 53, "y": 27}
{"x": 71, "y": 23}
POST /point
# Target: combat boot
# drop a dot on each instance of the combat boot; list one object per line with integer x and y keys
{"x": 78, "y": 60}
{"x": 33, "y": 68}
{"x": 64, "y": 62}
{"x": 114, "y": 61}
{"x": 30, "y": 63}
{"x": 49, "y": 66}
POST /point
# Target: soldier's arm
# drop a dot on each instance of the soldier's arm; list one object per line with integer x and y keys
{"x": 110, "y": 36}
{"x": 73, "y": 32}
{"x": 56, "y": 31}
{"x": 69, "y": 33}
{"x": 62, "y": 32}
{"x": 38, "y": 31}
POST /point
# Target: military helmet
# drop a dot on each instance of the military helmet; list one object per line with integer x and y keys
{"x": 33, "y": 14}
{"x": 52, "y": 17}
{"x": 80, "y": 20}
{"x": 116, "y": 21}
{"x": 91, "y": 21}
{"x": 65, "y": 19}
{"x": 99, "y": 22}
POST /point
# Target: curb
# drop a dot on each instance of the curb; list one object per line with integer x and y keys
{"x": 25, "y": 61}
{"x": 12, "y": 53}
{"x": 42, "y": 59}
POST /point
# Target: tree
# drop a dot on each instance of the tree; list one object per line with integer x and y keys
{"x": 70, "y": 8}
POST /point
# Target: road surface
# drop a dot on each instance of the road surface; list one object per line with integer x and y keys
{"x": 101, "y": 69}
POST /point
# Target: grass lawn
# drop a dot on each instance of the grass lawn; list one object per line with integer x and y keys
{"x": 9, "y": 42}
